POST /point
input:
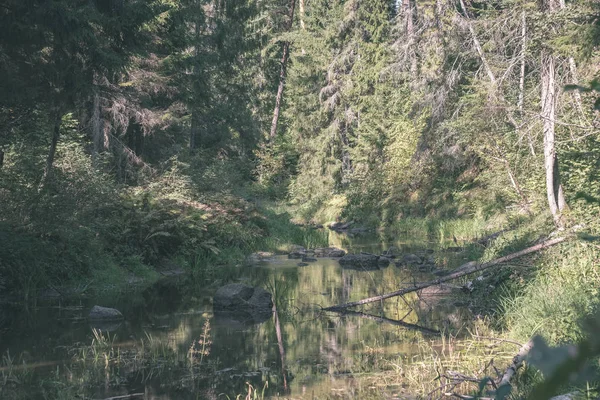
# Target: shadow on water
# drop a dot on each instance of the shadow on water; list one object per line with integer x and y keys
{"x": 172, "y": 346}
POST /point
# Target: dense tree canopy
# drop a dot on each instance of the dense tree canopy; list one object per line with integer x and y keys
{"x": 371, "y": 110}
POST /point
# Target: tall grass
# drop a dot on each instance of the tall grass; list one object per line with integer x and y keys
{"x": 554, "y": 302}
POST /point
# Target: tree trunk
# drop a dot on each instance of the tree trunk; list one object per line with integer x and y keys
{"x": 194, "y": 124}
{"x": 554, "y": 190}
{"x": 522, "y": 57}
{"x": 410, "y": 18}
{"x": 346, "y": 159}
{"x": 1, "y": 158}
{"x": 302, "y": 15}
{"x": 522, "y": 77}
{"x": 515, "y": 183}
{"x": 516, "y": 364}
{"x": 194, "y": 131}
{"x": 574, "y": 76}
{"x": 99, "y": 139}
{"x": 282, "y": 74}
{"x": 279, "y": 97}
{"x": 47, "y": 175}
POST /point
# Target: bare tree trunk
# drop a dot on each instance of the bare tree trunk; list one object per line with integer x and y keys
{"x": 194, "y": 123}
{"x": 302, "y": 15}
{"x": 194, "y": 130}
{"x": 346, "y": 159}
{"x": 279, "y": 97}
{"x": 493, "y": 81}
{"x": 391, "y": 321}
{"x": 47, "y": 175}
{"x": 522, "y": 77}
{"x": 282, "y": 75}
{"x": 573, "y": 70}
{"x": 522, "y": 57}
{"x": 410, "y": 18}
{"x": 516, "y": 364}
{"x": 302, "y": 24}
{"x": 99, "y": 139}
{"x": 1, "y": 158}
{"x": 554, "y": 191}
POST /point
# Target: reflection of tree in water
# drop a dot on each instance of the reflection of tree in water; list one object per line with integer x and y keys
{"x": 319, "y": 346}
{"x": 348, "y": 283}
{"x": 300, "y": 348}
{"x": 282, "y": 288}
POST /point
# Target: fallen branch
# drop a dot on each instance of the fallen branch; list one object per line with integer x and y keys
{"x": 465, "y": 269}
{"x": 516, "y": 364}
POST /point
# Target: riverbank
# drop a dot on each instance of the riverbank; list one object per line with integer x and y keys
{"x": 136, "y": 237}
{"x": 548, "y": 293}
{"x": 550, "y": 296}
{"x": 141, "y": 235}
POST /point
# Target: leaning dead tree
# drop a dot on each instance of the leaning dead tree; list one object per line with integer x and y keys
{"x": 282, "y": 74}
{"x": 465, "y": 269}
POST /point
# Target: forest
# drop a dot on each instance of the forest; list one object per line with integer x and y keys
{"x": 150, "y": 148}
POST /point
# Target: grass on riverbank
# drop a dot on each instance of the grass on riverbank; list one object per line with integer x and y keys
{"x": 551, "y": 294}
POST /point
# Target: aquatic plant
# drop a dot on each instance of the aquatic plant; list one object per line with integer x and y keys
{"x": 200, "y": 348}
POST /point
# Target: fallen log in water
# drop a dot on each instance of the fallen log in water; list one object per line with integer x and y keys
{"x": 465, "y": 269}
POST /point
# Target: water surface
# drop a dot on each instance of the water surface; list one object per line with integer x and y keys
{"x": 171, "y": 345}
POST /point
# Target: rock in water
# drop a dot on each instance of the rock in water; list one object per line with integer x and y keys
{"x": 296, "y": 254}
{"x": 297, "y": 248}
{"x": 258, "y": 257}
{"x": 329, "y": 252}
{"x": 383, "y": 261}
{"x": 243, "y": 303}
{"x": 105, "y": 314}
{"x": 360, "y": 261}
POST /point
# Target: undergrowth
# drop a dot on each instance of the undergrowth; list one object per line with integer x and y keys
{"x": 85, "y": 226}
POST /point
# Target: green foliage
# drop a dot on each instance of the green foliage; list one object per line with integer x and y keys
{"x": 553, "y": 303}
